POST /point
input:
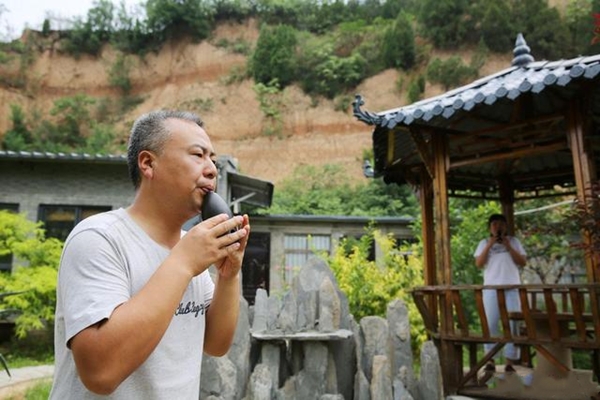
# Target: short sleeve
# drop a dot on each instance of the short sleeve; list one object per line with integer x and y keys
{"x": 92, "y": 281}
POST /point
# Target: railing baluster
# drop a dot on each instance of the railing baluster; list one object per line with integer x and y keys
{"x": 525, "y": 309}
{"x": 551, "y": 310}
{"x": 485, "y": 330}
{"x": 460, "y": 313}
{"x": 576, "y": 302}
{"x": 501, "y": 295}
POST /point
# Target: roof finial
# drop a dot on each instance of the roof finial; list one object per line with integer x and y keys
{"x": 522, "y": 52}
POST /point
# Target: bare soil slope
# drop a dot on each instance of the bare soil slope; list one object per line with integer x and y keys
{"x": 193, "y": 76}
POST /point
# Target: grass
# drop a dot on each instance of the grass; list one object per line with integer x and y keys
{"x": 39, "y": 391}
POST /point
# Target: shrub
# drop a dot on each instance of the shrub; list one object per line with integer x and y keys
{"x": 371, "y": 285}
{"x": 274, "y": 55}
{"x": 36, "y": 276}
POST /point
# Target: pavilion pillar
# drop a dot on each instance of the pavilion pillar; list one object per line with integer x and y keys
{"x": 450, "y": 354}
{"x": 507, "y": 200}
{"x": 585, "y": 175}
{"x": 427, "y": 228}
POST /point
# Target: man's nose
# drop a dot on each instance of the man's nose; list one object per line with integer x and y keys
{"x": 211, "y": 170}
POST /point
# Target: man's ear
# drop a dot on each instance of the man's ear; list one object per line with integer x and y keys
{"x": 145, "y": 163}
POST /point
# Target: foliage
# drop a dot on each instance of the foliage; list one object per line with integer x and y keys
{"x": 577, "y": 15}
{"x": 271, "y": 104}
{"x": 118, "y": 74}
{"x": 74, "y": 128}
{"x": 35, "y": 278}
{"x": 416, "y": 88}
{"x": 167, "y": 19}
{"x": 543, "y": 28}
{"x": 273, "y": 57}
{"x": 88, "y": 36}
{"x": 585, "y": 215}
{"x": 496, "y": 26}
{"x": 371, "y": 285}
{"x": 451, "y": 72}
{"x": 398, "y": 47}
{"x": 327, "y": 190}
{"x": 548, "y": 231}
{"x": 444, "y": 22}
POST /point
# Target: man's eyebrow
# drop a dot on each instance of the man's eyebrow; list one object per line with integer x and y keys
{"x": 204, "y": 149}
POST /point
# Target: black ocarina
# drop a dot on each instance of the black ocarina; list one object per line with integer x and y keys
{"x": 212, "y": 205}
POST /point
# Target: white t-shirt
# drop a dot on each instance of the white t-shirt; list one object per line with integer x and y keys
{"x": 500, "y": 269}
{"x": 106, "y": 260}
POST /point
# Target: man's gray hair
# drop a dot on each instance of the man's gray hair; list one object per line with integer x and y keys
{"x": 150, "y": 133}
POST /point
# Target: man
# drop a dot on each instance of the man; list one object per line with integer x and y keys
{"x": 136, "y": 306}
{"x": 500, "y": 256}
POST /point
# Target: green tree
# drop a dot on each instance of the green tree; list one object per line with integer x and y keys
{"x": 398, "y": 47}
{"x": 19, "y": 137}
{"x": 88, "y": 35}
{"x": 35, "y": 276}
{"x": 451, "y": 72}
{"x": 543, "y": 28}
{"x": 74, "y": 119}
{"x": 274, "y": 55}
{"x": 327, "y": 190}
{"x": 497, "y": 31}
{"x": 580, "y": 22}
{"x": 172, "y": 19}
{"x": 444, "y": 22}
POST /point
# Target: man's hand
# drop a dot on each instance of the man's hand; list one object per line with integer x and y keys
{"x": 212, "y": 242}
{"x": 229, "y": 266}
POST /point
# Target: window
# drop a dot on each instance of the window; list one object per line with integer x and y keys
{"x": 60, "y": 220}
{"x": 7, "y": 259}
{"x": 298, "y": 249}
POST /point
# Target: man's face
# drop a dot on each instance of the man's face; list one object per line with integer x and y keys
{"x": 185, "y": 170}
{"x": 497, "y": 226}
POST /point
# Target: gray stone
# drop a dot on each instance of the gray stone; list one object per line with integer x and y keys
{"x": 260, "y": 386}
{"x": 331, "y": 383}
{"x": 261, "y": 311}
{"x": 400, "y": 390}
{"x": 381, "y": 382}
{"x": 239, "y": 353}
{"x": 404, "y": 381}
{"x": 270, "y": 356}
{"x": 329, "y": 396}
{"x": 375, "y": 334}
{"x": 362, "y": 389}
{"x": 288, "y": 391}
{"x": 401, "y": 356}
{"x": 307, "y": 303}
{"x": 287, "y": 316}
{"x": 274, "y": 307}
{"x": 430, "y": 379}
{"x": 329, "y": 307}
{"x": 399, "y": 326}
{"x": 219, "y": 378}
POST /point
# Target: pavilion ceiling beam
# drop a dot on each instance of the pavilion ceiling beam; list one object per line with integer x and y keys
{"x": 513, "y": 153}
{"x": 504, "y": 128}
{"x": 423, "y": 150}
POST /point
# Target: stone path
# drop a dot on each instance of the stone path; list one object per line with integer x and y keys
{"x": 22, "y": 377}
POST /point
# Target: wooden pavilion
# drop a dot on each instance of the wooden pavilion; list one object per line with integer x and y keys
{"x": 520, "y": 133}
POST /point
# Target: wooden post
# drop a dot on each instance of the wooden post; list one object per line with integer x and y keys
{"x": 584, "y": 174}
{"x": 449, "y": 356}
{"x": 507, "y": 199}
{"x": 427, "y": 229}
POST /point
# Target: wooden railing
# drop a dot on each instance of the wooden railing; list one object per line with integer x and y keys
{"x": 566, "y": 315}
{"x": 576, "y": 304}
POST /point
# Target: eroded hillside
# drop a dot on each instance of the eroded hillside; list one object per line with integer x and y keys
{"x": 194, "y": 76}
